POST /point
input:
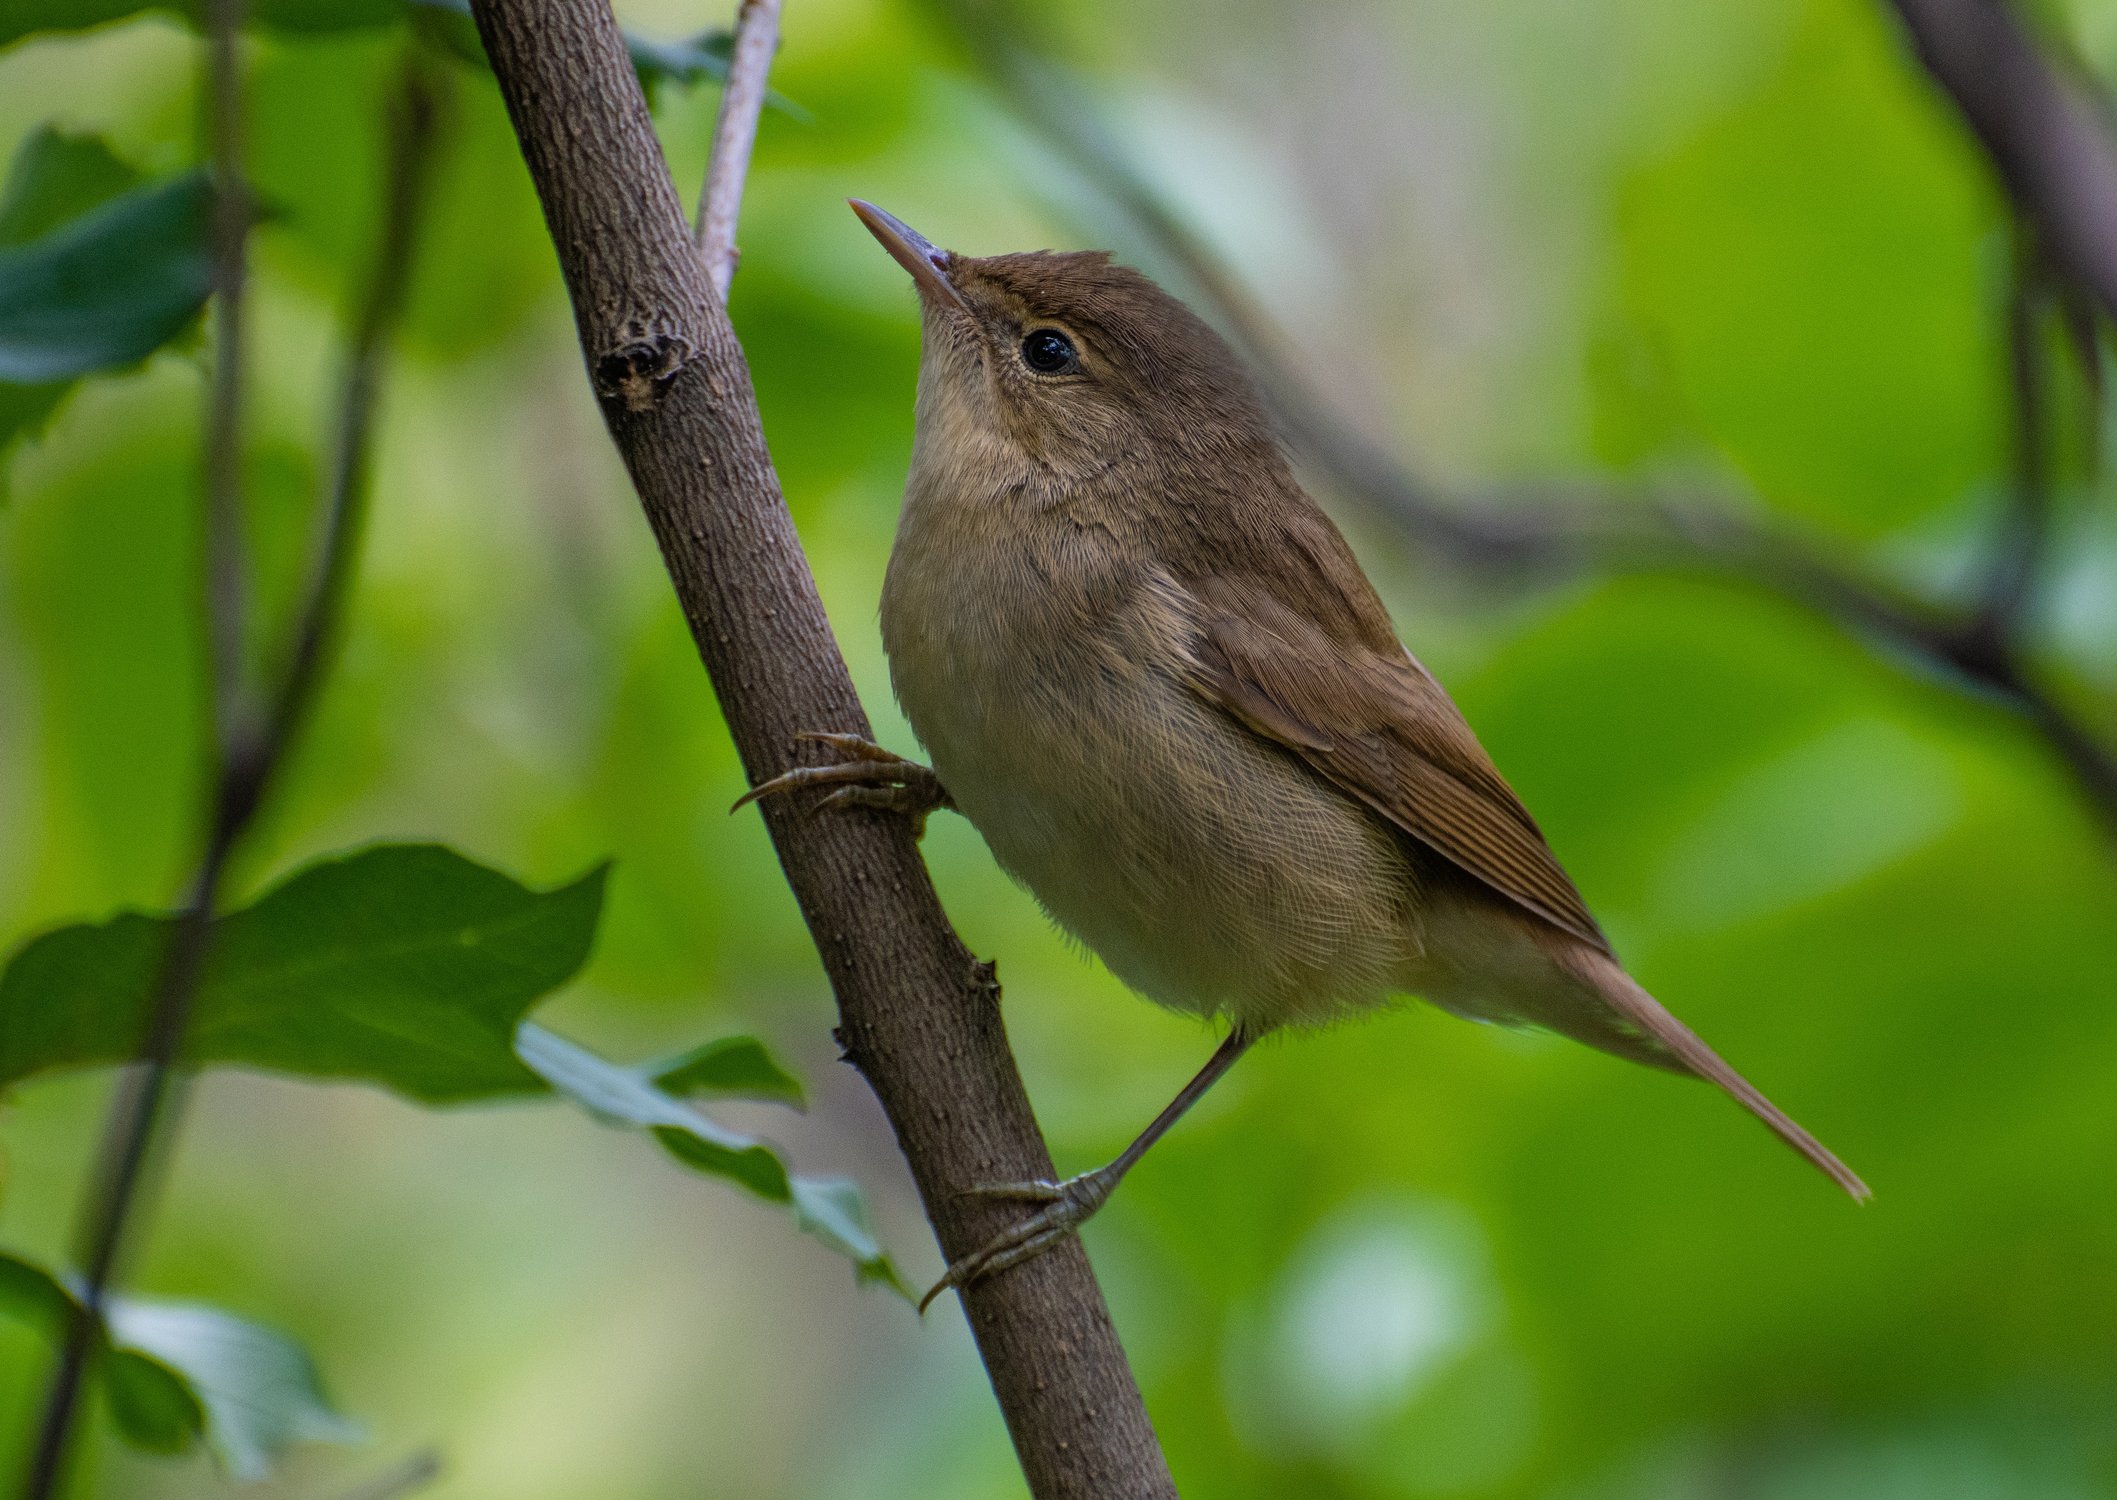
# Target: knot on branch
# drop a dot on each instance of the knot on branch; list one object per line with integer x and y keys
{"x": 638, "y": 371}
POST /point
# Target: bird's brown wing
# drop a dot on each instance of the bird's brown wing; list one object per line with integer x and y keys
{"x": 1371, "y": 720}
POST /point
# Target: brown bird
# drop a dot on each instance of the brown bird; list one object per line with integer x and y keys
{"x": 1151, "y": 673}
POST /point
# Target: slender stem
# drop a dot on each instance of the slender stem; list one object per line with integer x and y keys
{"x": 417, "y": 115}
{"x": 226, "y": 606}
{"x": 734, "y": 136}
{"x": 248, "y": 746}
{"x": 129, "y": 1132}
{"x": 2021, "y": 537}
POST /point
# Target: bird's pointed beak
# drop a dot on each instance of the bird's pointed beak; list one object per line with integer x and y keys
{"x": 911, "y": 250}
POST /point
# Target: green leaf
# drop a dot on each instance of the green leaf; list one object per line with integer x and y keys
{"x": 54, "y": 180}
{"x": 627, "y": 1096}
{"x": 22, "y": 18}
{"x": 176, "y": 1371}
{"x": 107, "y": 289}
{"x": 258, "y": 1388}
{"x": 834, "y": 1210}
{"x": 153, "y": 1405}
{"x": 402, "y": 965}
{"x": 738, "y": 1065}
{"x": 57, "y": 176}
{"x": 828, "y": 1208}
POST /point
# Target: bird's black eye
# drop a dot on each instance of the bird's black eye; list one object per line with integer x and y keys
{"x": 1049, "y": 352}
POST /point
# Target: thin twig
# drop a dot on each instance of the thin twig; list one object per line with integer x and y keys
{"x": 129, "y": 1132}
{"x": 1543, "y": 533}
{"x": 2022, "y": 532}
{"x": 417, "y": 115}
{"x": 249, "y": 745}
{"x": 734, "y": 137}
{"x": 226, "y": 604}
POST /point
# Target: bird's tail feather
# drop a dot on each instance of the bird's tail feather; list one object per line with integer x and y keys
{"x": 1646, "y": 1015}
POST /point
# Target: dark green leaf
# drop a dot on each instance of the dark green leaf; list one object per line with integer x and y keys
{"x": 30, "y": 1294}
{"x": 105, "y": 290}
{"x": 403, "y": 965}
{"x": 23, "y": 17}
{"x": 732, "y": 1065}
{"x": 56, "y": 176}
{"x": 828, "y": 1208}
{"x": 174, "y": 1371}
{"x": 153, "y": 1405}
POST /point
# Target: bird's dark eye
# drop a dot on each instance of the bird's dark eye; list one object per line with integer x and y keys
{"x": 1049, "y": 352}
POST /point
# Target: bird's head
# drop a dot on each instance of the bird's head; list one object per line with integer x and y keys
{"x": 1065, "y": 366}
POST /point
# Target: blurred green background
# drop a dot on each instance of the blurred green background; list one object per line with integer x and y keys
{"x": 1521, "y": 240}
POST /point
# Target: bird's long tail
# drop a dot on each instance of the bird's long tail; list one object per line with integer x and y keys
{"x": 1646, "y": 1016}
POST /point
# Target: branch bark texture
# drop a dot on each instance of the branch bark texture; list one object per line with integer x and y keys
{"x": 919, "y": 1016}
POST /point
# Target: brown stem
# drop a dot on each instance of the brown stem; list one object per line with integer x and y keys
{"x": 918, "y": 1015}
{"x": 2046, "y": 133}
{"x": 734, "y": 135}
{"x": 249, "y": 744}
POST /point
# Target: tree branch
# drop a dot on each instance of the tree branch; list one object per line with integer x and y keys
{"x": 734, "y": 135}
{"x": 2021, "y": 535}
{"x": 918, "y": 1015}
{"x": 248, "y": 744}
{"x": 2046, "y": 132}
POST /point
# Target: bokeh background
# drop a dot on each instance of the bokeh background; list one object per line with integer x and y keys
{"x": 1519, "y": 241}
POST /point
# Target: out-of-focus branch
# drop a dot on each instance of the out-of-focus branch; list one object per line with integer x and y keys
{"x": 226, "y": 605}
{"x": 1554, "y": 532}
{"x": 734, "y": 136}
{"x": 917, "y": 1014}
{"x": 417, "y": 115}
{"x": 249, "y": 741}
{"x": 2021, "y": 537}
{"x": 407, "y": 1478}
{"x": 129, "y": 1131}
{"x": 2046, "y": 132}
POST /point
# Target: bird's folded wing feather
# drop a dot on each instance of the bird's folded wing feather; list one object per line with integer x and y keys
{"x": 1353, "y": 703}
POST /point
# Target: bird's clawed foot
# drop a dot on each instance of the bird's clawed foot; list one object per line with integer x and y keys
{"x": 1067, "y": 1206}
{"x": 869, "y": 776}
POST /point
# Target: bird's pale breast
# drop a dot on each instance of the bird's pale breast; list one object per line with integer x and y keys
{"x": 1210, "y": 870}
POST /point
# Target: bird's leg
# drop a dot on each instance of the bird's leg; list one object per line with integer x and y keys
{"x": 869, "y": 776}
{"x": 1070, "y": 1204}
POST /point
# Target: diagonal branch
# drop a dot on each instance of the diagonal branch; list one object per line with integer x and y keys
{"x": 2045, "y": 131}
{"x": 734, "y": 135}
{"x": 917, "y": 1014}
